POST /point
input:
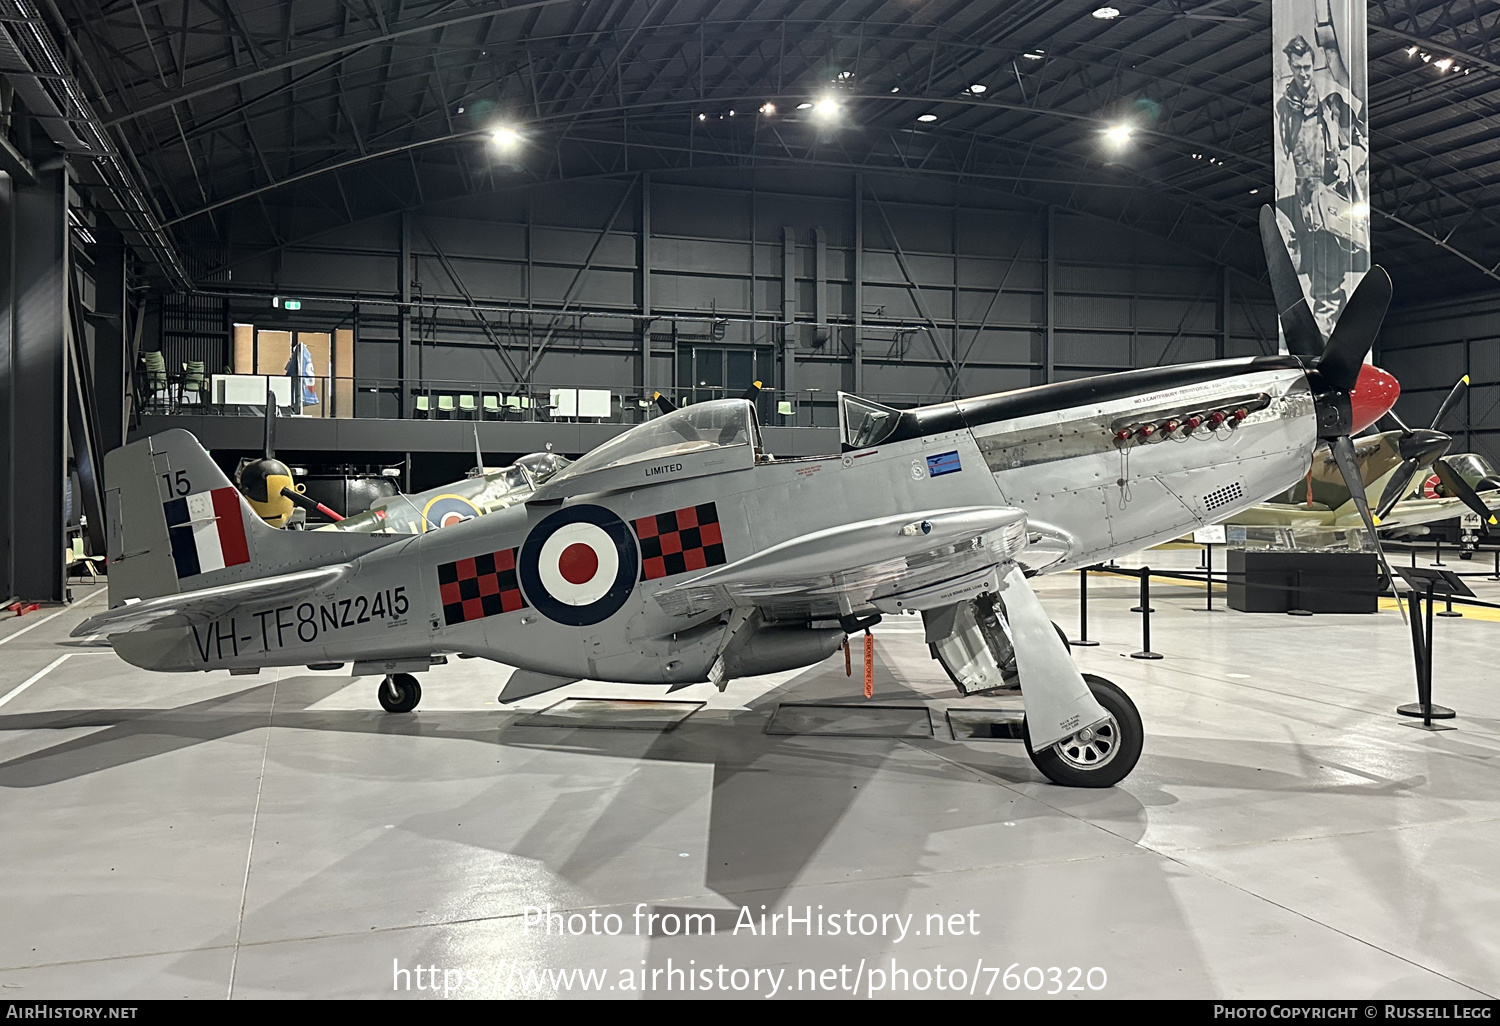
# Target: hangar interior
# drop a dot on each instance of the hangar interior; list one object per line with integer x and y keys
{"x": 445, "y": 232}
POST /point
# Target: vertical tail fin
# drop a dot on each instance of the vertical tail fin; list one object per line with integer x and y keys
{"x": 176, "y": 523}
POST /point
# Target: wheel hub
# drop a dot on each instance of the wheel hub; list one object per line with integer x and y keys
{"x": 1092, "y": 746}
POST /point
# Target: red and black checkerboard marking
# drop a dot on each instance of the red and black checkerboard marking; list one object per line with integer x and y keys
{"x": 480, "y": 586}
{"x": 682, "y": 540}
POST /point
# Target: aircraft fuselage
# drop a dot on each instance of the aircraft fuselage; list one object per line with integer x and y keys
{"x": 568, "y": 588}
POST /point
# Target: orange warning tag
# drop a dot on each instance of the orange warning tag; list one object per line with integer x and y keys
{"x": 869, "y": 665}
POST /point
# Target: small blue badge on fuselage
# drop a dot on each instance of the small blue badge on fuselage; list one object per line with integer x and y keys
{"x": 943, "y": 463}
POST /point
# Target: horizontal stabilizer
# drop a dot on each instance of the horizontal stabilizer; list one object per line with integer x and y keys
{"x": 204, "y": 605}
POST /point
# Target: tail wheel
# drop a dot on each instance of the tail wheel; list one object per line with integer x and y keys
{"x": 400, "y": 693}
{"x": 1101, "y": 755}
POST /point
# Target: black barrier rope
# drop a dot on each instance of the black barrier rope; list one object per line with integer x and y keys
{"x": 1422, "y": 639}
{"x": 1242, "y": 578}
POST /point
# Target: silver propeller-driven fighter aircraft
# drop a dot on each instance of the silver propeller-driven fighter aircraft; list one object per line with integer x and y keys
{"x": 682, "y": 551}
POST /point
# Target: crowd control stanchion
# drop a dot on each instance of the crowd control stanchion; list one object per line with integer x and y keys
{"x": 1496, "y": 575}
{"x": 1083, "y": 611}
{"x": 1143, "y": 607}
{"x": 1145, "y": 610}
{"x": 1208, "y": 578}
{"x": 1297, "y": 610}
{"x": 1448, "y": 609}
{"x": 1438, "y": 559}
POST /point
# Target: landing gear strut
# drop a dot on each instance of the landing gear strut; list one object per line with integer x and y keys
{"x": 400, "y": 693}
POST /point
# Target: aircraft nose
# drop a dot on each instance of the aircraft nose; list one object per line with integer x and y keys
{"x": 1372, "y": 397}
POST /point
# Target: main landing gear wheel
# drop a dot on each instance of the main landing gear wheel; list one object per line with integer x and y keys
{"x": 1097, "y": 756}
{"x": 400, "y": 693}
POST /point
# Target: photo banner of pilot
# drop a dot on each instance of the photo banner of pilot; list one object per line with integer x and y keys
{"x": 1322, "y": 146}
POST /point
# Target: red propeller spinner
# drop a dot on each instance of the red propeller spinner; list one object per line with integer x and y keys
{"x": 1372, "y": 397}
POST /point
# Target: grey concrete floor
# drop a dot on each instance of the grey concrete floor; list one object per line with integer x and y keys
{"x": 1285, "y": 834}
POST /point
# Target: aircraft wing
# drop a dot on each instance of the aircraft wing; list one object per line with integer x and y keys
{"x": 1411, "y": 512}
{"x": 851, "y": 567}
{"x": 199, "y": 607}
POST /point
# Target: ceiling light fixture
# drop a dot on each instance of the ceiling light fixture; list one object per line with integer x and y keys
{"x": 803, "y": 106}
{"x": 768, "y": 108}
{"x": 1034, "y": 55}
{"x": 978, "y": 88}
{"x": 1106, "y": 13}
{"x": 926, "y": 118}
{"x": 826, "y": 109}
{"x": 505, "y": 137}
{"x": 895, "y": 89}
{"x": 1444, "y": 64}
{"x": 1118, "y": 135}
{"x": 1411, "y": 51}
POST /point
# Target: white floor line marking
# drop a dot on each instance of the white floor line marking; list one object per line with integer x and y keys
{"x": 49, "y": 616}
{"x": 265, "y": 752}
{"x": 54, "y": 664}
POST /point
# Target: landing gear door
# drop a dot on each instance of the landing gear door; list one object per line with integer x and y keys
{"x": 1058, "y": 702}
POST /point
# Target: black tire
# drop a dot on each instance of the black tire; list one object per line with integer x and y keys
{"x": 399, "y": 693}
{"x": 1064, "y": 762}
{"x": 1066, "y": 643}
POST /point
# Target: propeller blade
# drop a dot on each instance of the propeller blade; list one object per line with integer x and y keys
{"x": 270, "y": 446}
{"x": 663, "y": 404}
{"x": 1343, "y": 455}
{"x": 754, "y": 390}
{"x": 1450, "y": 402}
{"x": 1399, "y": 422}
{"x": 1396, "y": 487}
{"x": 1356, "y": 329}
{"x": 1302, "y": 335}
{"x": 1458, "y": 486}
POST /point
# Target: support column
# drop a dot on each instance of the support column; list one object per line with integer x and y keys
{"x": 644, "y": 256}
{"x": 1049, "y": 306}
{"x": 11, "y": 437}
{"x": 1223, "y": 340}
{"x": 112, "y": 367}
{"x": 820, "y": 286}
{"x": 403, "y": 345}
{"x": 39, "y": 368}
{"x": 858, "y": 342}
{"x": 789, "y": 315}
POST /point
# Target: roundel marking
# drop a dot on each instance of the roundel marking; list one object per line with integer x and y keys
{"x": 579, "y": 565}
{"x": 447, "y": 510}
{"x": 1430, "y": 487}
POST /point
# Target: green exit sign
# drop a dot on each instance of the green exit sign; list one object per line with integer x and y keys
{"x": 291, "y": 304}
